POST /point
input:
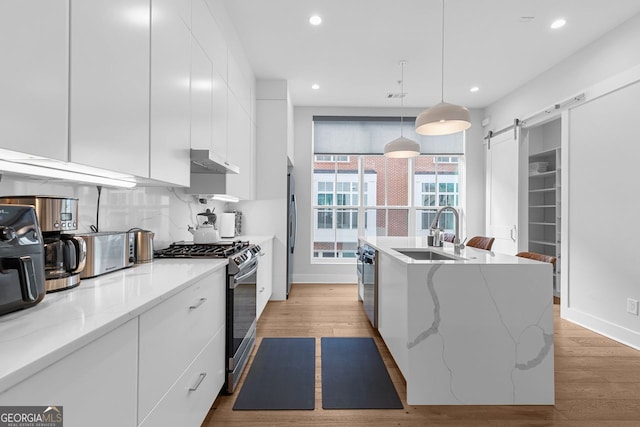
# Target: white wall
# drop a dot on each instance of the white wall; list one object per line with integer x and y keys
{"x": 597, "y": 276}
{"x": 474, "y": 187}
{"x": 306, "y": 272}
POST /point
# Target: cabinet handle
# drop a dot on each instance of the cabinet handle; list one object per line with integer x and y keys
{"x": 262, "y": 289}
{"x": 198, "y": 382}
{"x": 198, "y": 304}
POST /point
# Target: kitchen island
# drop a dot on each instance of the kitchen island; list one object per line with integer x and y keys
{"x": 469, "y": 329}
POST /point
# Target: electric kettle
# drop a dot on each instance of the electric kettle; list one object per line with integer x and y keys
{"x": 143, "y": 243}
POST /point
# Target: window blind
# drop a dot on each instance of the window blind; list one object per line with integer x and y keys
{"x": 369, "y": 135}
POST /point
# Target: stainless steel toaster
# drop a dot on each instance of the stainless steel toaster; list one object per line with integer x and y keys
{"x": 107, "y": 252}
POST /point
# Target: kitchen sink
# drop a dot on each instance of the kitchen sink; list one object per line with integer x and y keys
{"x": 426, "y": 254}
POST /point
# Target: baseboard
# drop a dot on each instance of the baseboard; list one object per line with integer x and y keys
{"x": 324, "y": 278}
{"x": 603, "y": 327}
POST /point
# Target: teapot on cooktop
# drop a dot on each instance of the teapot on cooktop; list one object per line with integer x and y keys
{"x": 205, "y": 232}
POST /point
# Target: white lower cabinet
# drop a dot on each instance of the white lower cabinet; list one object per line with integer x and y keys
{"x": 189, "y": 399}
{"x": 172, "y": 336}
{"x": 264, "y": 284}
{"x": 96, "y": 385}
{"x": 162, "y": 368}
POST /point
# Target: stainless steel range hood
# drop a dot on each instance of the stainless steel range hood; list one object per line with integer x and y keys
{"x": 212, "y": 186}
{"x": 205, "y": 161}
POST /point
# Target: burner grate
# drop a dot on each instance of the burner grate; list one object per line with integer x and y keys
{"x": 192, "y": 250}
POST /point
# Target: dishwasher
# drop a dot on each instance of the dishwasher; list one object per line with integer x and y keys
{"x": 368, "y": 281}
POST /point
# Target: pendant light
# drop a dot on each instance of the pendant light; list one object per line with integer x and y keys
{"x": 444, "y": 118}
{"x": 402, "y": 147}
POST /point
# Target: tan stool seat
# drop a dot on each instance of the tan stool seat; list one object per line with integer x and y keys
{"x": 481, "y": 242}
{"x": 538, "y": 257}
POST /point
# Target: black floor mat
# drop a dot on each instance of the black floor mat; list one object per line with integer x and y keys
{"x": 282, "y": 376}
{"x": 354, "y": 376}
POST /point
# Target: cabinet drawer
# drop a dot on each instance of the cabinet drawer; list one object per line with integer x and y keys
{"x": 189, "y": 400}
{"x": 174, "y": 332}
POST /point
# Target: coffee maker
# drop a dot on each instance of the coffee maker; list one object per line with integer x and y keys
{"x": 65, "y": 254}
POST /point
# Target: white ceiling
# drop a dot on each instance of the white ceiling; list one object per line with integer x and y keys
{"x": 354, "y": 54}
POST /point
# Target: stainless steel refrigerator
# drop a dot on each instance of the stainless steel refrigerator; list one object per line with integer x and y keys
{"x": 292, "y": 215}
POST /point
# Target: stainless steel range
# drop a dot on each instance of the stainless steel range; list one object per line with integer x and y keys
{"x": 241, "y": 296}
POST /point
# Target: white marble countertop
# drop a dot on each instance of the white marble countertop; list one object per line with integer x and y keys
{"x": 64, "y": 321}
{"x": 468, "y": 255}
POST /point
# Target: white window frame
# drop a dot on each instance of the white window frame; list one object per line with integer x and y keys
{"x": 413, "y": 209}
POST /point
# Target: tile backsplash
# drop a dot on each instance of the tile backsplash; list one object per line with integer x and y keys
{"x": 164, "y": 210}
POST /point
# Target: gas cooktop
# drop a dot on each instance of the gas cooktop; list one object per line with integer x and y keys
{"x": 202, "y": 250}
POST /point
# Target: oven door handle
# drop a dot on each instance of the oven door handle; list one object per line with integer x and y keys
{"x": 237, "y": 279}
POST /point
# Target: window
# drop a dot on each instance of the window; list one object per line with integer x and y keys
{"x": 347, "y": 219}
{"x": 428, "y": 194}
{"x": 371, "y": 196}
{"x": 368, "y": 194}
{"x": 446, "y": 159}
{"x": 439, "y": 184}
{"x": 325, "y": 218}
{"x": 325, "y": 193}
{"x": 329, "y": 158}
{"x": 347, "y": 193}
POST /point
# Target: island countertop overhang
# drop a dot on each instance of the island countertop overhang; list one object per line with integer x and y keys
{"x": 468, "y": 255}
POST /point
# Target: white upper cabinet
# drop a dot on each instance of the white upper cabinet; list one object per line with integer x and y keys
{"x": 239, "y": 85}
{"x": 241, "y": 137}
{"x": 109, "y": 100}
{"x": 208, "y": 33}
{"x": 273, "y": 118}
{"x": 181, "y": 7}
{"x": 220, "y": 116}
{"x": 170, "y": 97}
{"x": 34, "y": 41}
{"x": 201, "y": 98}
{"x": 240, "y": 151}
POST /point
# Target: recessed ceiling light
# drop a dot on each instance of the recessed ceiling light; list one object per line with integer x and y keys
{"x": 558, "y": 23}
{"x": 474, "y": 89}
{"x": 315, "y": 86}
{"x": 315, "y": 20}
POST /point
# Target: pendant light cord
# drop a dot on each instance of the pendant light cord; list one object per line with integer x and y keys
{"x": 402, "y": 64}
{"x": 442, "y": 57}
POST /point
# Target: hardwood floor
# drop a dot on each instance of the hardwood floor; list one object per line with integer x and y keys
{"x": 597, "y": 379}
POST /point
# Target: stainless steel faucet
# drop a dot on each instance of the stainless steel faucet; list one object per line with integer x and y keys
{"x": 456, "y": 240}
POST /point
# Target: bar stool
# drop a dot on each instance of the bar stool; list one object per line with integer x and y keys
{"x": 538, "y": 257}
{"x": 481, "y": 242}
{"x": 449, "y": 237}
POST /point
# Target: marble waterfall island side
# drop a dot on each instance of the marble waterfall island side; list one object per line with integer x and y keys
{"x": 475, "y": 330}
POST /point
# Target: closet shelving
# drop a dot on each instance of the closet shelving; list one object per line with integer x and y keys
{"x": 544, "y": 194}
